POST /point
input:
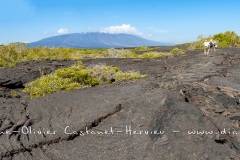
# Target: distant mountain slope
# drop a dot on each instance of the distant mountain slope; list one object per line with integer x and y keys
{"x": 95, "y": 40}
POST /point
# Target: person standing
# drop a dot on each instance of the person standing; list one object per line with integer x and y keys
{"x": 206, "y": 47}
{"x": 211, "y": 45}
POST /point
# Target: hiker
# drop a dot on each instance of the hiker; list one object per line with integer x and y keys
{"x": 206, "y": 47}
{"x": 211, "y": 45}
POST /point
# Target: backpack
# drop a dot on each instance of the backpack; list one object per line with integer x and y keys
{"x": 211, "y": 44}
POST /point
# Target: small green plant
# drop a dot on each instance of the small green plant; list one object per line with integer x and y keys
{"x": 13, "y": 94}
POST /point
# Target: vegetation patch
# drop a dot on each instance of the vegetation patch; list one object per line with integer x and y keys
{"x": 223, "y": 40}
{"x": 48, "y": 84}
{"x": 14, "y": 53}
{"x": 177, "y": 51}
{"x": 76, "y": 77}
{"x": 142, "y": 49}
{"x": 152, "y": 55}
{"x": 119, "y": 53}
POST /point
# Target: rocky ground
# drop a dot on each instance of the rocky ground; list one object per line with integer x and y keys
{"x": 152, "y": 118}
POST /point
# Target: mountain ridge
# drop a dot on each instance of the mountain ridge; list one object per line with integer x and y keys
{"x": 95, "y": 40}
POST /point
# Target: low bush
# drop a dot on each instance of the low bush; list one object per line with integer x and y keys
{"x": 13, "y": 94}
{"x": 10, "y": 55}
{"x": 177, "y": 51}
{"x": 48, "y": 84}
{"x": 104, "y": 74}
{"x": 152, "y": 55}
{"x": 119, "y": 76}
{"x": 75, "y": 77}
{"x": 77, "y": 74}
{"x": 119, "y": 53}
{"x": 142, "y": 48}
{"x": 223, "y": 44}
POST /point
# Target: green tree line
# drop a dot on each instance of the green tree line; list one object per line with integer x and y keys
{"x": 224, "y": 40}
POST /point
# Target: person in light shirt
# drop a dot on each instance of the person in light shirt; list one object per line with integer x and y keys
{"x": 206, "y": 47}
{"x": 211, "y": 46}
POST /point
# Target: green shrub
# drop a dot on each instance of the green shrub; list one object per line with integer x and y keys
{"x": 105, "y": 74}
{"x": 142, "y": 48}
{"x": 128, "y": 76}
{"x": 223, "y": 44}
{"x": 9, "y": 55}
{"x": 75, "y": 77}
{"x": 79, "y": 74}
{"x": 119, "y": 53}
{"x": 72, "y": 72}
{"x": 152, "y": 55}
{"x": 177, "y": 51}
{"x": 48, "y": 84}
{"x": 227, "y": 39}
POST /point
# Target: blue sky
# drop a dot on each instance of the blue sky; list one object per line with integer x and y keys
{"x": 174, "y": 21}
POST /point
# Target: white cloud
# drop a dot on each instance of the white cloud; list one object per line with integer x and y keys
{"x": 62, "y": 30}
{"x": 46, "y": 32}
{"x": 124, "y": 28}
